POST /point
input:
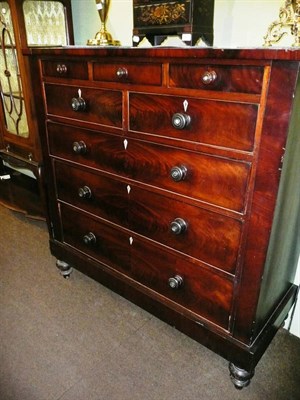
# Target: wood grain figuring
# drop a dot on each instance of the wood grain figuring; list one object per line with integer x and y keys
{"x": 65, "y": 69}
{"x": 209, "y": 237}
{"x": 218, "y": 123}
{"x": 275, "y": 130}
{"x": 216, "y": 180}
{"x": 109, "y": 197}
{"x": 103, "y": 107}
{"x": 207, "y": 294}
{"x": 137, "y": 73}
{"x": 229, "y": 158}
{"x": 112, "y": 246}
{"x": 229, "y": 78}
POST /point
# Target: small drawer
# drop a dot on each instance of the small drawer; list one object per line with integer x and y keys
{"x": 65, "y": 69}
{"x": 207, "y": 236}
{"x": 105, "y": 197}
{"x": 224, "y": 78}
{"x": 218, "y": 123}
{"x": 98, "y": 106}
{"x": 101, "y": 241}
{"x": 215, "y": 180}
{"x": 199, "y": 290}
{"x": 140, "y": 73}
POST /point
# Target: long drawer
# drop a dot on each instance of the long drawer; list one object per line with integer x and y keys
{"x": 201, "y": 290}
{"x": 98, "y": 240}
{"x": 98, "y": 106}
{"x": 218, "y": 123}
{"x": 106, "y": 197}
{"x": 207, "y": 236}
{"x": 216, "y": 180}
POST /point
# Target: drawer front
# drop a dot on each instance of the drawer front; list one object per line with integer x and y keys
{"x": 207, "y": 236}
{"x": 202, "y": 291}
{"x": 215, "y": 180}
{"x": 139, "y": 73}
{"x": 226, "y": 78}
{"x": 65, "y": 69}
{"x": 101, "y": 106}
{"x": 98, "y": 240}
{"x": 218, "y": 123}
{"x": 219, "y": 181}
{"x": 99, "y": 195}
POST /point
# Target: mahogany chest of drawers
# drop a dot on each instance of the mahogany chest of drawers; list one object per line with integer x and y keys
{"x": 162, "y": 169}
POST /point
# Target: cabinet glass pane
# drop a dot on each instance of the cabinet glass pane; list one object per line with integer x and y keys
{"x": 45, "y": 23}
{"x": 10, "y": 81}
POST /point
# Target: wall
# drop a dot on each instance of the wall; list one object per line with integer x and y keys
{"x": 237, "y": 23}
{"x": 87, "y": 22}
{"x": 241, "y": 23}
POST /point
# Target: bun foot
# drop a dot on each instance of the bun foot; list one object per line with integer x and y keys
{"x": 240, "y": 377}
{"x": 64, "y": 268}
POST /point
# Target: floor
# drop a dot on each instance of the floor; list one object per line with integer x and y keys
{"x": 76, "y": 340}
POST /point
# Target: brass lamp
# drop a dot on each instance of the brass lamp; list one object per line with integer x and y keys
{"x": 103, "y": 38}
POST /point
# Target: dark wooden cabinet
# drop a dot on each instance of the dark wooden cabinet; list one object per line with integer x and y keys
{"x": 162, "y": 172}
{"x": 190, "y": 20}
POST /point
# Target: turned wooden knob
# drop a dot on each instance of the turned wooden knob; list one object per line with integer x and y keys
{"x": 89, "y": 238}
{"x": 84, "y": 192}
{"x": 79, "y": 147}
{"x": 178, "y": 226}
{"x": 61, "y": 69}
{"x": 122, "y": 72}
{"x": 178, "y": 173}
{"x": 181, "y": 120}
{"x": 209, "y": 77}
{"x": 78, "y": 104}
{"x": 175, "y": 282}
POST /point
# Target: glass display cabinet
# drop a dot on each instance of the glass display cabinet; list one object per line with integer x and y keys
{"x": 24, "y": 23}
